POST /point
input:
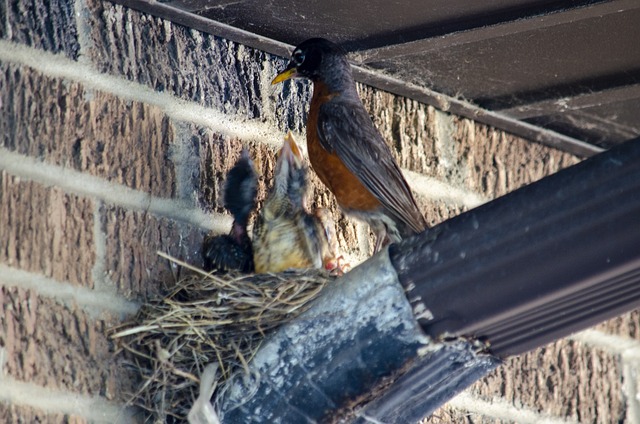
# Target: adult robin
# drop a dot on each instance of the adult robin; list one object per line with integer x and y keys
{"x": 345, "y": 149}
{"x": 285, "y": 235}
{"x": 233, "y": 252}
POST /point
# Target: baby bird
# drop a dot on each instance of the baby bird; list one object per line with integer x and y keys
{"x": 285, "y": 235}
{"x": 233, "y": 252}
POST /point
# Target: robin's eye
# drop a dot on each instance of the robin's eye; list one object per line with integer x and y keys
{"x": 298, "y": 57}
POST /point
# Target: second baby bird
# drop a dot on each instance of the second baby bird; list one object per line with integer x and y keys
{"x": 285, "y": 235}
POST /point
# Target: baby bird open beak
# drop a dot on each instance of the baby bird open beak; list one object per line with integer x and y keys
{"x": 290, "y": 152}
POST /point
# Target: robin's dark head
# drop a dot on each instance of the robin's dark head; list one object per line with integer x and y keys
{"x": 315, "y": 59}
{"x": 290, "y": 178}
{"x": 241, "y": 188}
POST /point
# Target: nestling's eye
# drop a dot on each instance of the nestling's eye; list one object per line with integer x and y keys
{"x": 297, "y": 57}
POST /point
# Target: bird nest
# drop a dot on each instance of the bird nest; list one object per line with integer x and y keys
{"x": 207, "y": 319}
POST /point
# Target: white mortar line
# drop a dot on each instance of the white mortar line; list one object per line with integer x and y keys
{"x": 630, "y": 390}
{"x": 503, "y": 410}
{"x": 629, "y": 351}
{"x": 94, "y": 302}
{"x": 627, "y": 348}
{"x": 432, "y": 188}
{"x": 178, "y": 109}
{"x": 61, "y": 67}
{"x": 76, "y": 182}
{"x": 93, "y": 408}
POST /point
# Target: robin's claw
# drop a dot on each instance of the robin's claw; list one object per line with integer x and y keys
{"x": 337, "y": 266}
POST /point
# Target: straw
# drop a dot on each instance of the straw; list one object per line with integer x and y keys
{"x": 207, "y": 318}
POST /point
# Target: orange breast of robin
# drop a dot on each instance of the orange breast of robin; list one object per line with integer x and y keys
{"x": 350, "y": 193}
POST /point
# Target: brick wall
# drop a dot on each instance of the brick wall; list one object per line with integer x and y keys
{"x": 115, "y": 130}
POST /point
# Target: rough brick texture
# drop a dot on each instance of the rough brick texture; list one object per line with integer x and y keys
{"x": 627, "y": 325}
{"x": 460, "y": 151}
{"x": 191, "y": 65}
{"x": 218, "y": 154}
{"x": 407, "y": 126}
{"x": 133, "y": 238}
{"x": 13, "y": 414}
{"x": 54, "y": 346}
{"x": 49, "y": 25}
{"x": 44, "y": 230}
{"x": 94, "y": 132}
{"x": 563, "y": 379}
{"x": 494, "y": 163}
{"x": 447, "y": 415}
{"x": 444, "y": 147}
{"x": 50, "y": 232}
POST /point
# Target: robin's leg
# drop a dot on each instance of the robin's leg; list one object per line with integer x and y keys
{"x": 337, "y": 266}
{"x": 386, "y": 233}
{"x": 332, "y": 261}
{"x": 382, "y": 240}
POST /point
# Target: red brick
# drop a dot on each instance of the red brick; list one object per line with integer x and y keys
{"x": 407, "y": 126}
{"x": 44, "y": 230}
{"x": 447, "y": 415}
{"x": 217, "y": 154}
{"x": 18, "y": 414}
{"x": 46, "y": 25}
{"x": 133, "y": 238}
{"x": 457, "y": 150}
{"x": 563, "y": 379}
{"x": 62, "y": 123}
{"x": 59, "y": 347}
{"x": 494, "y": 163}
{"x": 627, "y": 325}
{"x": 193, "y": 65}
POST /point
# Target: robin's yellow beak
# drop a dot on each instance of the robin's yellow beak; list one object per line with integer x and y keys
{"x": 288, "y": 73}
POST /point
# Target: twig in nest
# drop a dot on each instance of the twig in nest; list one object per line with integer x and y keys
{"x": 208, "y": 318}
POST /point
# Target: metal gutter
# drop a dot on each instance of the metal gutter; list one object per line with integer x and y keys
{"x": 347, "y": 350}
{"x": 540, "y": 263}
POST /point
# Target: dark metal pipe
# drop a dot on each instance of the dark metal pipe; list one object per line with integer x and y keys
{"x": 549, "y": 259}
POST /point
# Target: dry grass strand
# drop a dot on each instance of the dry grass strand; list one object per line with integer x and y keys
{"x": 207, "y": 318}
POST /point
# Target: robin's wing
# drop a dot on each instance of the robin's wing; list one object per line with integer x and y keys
{"x": 346, "y": 129}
